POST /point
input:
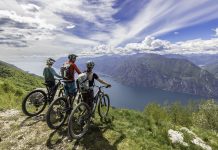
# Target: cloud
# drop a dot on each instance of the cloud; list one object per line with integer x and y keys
{"x": 47, "y": 27}
{"x": 70, "y": 26}
{"x": 34, "y": 22}
{"x": 216, "y": 32}
{"x": 158, "y": 46}
{"x": 30, "y": 7}
{"x": 160, "y": 17}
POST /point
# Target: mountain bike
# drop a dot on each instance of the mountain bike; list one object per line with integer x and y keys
{"x": 35, "y": 102}
{"x": 61, "y": 108}
{"x": 79, "y": 120}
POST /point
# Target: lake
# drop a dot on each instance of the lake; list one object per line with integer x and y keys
{"x": 122, "y": 96}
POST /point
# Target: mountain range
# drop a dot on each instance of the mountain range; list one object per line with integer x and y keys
{"x": 169, "y": 73}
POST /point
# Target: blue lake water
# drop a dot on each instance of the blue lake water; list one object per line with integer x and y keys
{"x": 122, "y": 96}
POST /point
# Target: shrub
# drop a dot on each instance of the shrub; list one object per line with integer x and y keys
{"x": 180, "y": 115}
{"x": 156, "y": 113}
{"x": 157, "y": 121}
{"x": 207, "y": 116}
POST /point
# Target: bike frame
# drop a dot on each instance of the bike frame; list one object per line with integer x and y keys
{"x": 96, "y": 99}
{"x": 51, "y": 94}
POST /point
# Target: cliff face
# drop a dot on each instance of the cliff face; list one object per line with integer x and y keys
{"x": 156, "y": 71}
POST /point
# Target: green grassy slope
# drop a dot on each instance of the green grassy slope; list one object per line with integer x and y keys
{"x": 14, "y": 83}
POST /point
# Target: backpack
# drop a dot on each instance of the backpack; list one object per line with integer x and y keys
{"x": 83, "y": 82}
{"x": 65, "y": 71}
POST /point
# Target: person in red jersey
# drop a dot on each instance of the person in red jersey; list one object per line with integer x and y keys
{"x": 68, "y": 71}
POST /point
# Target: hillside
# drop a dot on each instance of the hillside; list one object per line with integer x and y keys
{"x": 14, "y": 83}
{"x": 157, "y": 127}
{"x": 155, "y": 71}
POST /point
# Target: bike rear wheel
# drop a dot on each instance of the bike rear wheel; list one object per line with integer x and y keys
{"x": 57, "y": 113}
{"x": 34, "y": 103}
{"x": 79, "y": 121}
{"x": 103, "y": 105}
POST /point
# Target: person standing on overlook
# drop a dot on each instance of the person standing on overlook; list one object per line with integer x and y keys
{"x": 68, "y": 71}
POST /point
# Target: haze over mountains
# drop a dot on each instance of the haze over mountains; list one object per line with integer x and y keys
{"x": 172, "y": 72}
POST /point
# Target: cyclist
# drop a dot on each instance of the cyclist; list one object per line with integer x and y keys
{"x": 49, "y": 73}
{"x": 88, "y": 96}
{"x": 68, "y": 71}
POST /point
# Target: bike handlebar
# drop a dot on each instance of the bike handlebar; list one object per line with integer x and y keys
{"x": 62, "y": 80}
{"x": 102, "y": 86}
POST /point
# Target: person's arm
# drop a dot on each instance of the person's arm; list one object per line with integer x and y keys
{"x": 103, "y": 82}
{"x": 76, "y": 68}
{"x": 43, "y": 72}
{"x": 55, "y": 74}
{"x": 100, "y": 80}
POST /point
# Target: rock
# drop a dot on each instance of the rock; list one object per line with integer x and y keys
{"x": 176, "y": 137}
{"x": 201, "y": 143}
{"x": 20, "y": 137}
{"x": 9, "y": 113}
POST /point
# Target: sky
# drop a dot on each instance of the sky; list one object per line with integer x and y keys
{"x": 38, "y": 29}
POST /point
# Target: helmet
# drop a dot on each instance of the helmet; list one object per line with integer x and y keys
{"x": 50, "y": 61}
{"x": 72, "y": 56}
{"x": 90, "y": 64}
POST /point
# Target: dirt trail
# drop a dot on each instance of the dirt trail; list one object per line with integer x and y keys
{"x": 20, "y": 132}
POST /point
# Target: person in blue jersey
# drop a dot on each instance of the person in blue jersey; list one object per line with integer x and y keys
{"x": 50, "y": 74}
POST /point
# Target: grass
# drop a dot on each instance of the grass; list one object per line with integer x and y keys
{"x": 14, "y": 85}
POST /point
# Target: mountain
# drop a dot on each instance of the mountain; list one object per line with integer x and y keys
{"x": 14, "y": 84}
{"x": 156, "y": 71}
{"x": 198, "y": 59}
{"x": 212, "y": 68}
{"x": 202, "y": 59}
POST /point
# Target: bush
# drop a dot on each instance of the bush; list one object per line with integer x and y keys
{"x": 207, "y": 116}
{"x": 180, "y": 115}
{"x": 7, "y": 87}
{"x": 157, "y": 121}
{"x": 156, "y": 113}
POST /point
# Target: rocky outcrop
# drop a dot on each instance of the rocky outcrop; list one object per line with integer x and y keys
{"x": 179, "y": 137}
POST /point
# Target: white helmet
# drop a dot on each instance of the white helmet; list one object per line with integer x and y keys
{"x": 90, "y": 64}
{"x": 50, "y": 61}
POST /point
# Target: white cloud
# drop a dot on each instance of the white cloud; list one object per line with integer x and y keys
{"x": 160, "y": 16}
{"x": 216, "y": 32}
{"x": 36, "y": 28}
{"x": 30, "y": 7}
{"x": 34, "y": 22}
{"x": 30, "y": 27}
{"x": 70, "y": 26}
{"x": 158, "y": 46}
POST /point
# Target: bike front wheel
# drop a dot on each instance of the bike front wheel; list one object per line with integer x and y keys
{"x": 34, "y": 103}
{"x": 103, "y": 105}
{"x": 57, "y": 113}
{"x": 79, "y": 121}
